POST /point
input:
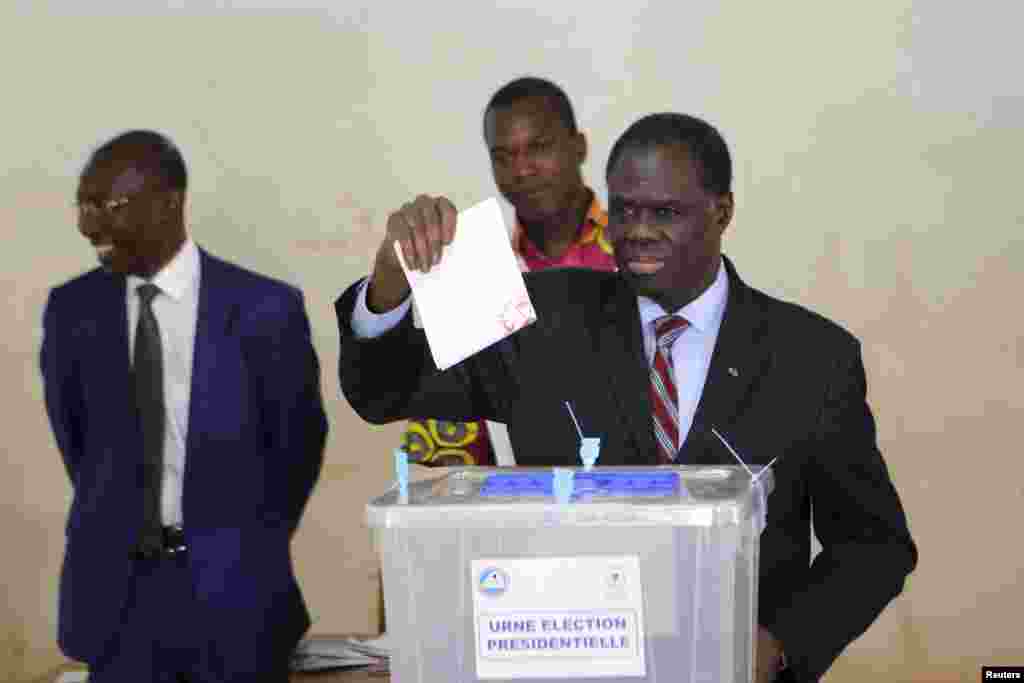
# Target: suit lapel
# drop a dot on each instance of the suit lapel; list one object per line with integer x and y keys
{"x": 215, "y": 316}
{"x": 621, "y": 345}
{"x": 110, "y": 356}
{"x": 738, "y": 361}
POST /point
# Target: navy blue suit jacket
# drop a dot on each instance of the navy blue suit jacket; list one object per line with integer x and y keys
{"x": 255, "y": 442}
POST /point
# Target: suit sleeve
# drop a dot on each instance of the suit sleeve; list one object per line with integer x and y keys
{"x": 867, "y": 550}
{"x": 393, "y": 376}
{"x": 294, "y": 420}
{"x": 60, "y": 388}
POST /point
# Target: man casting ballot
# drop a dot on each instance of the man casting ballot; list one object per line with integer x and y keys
{"x": 652, "y": 358}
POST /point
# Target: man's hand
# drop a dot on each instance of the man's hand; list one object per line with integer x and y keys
{"x": 421, "y": 228}
{"x": 769, "y": 655}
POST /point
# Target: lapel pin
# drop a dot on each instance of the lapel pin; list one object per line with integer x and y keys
{"x": 734, "y": 372}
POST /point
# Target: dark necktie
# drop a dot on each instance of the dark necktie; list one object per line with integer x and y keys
{"x": 664, "y": 398}
{"x": 148, "y": 373}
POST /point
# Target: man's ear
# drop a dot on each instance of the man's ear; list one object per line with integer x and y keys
{"x": 581, "y": 148}
{"x": 724, "y": 207}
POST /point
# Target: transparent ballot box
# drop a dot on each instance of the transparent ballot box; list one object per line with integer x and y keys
{"x": 646, "y": 573}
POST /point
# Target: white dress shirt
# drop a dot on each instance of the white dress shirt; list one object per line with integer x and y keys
{"x": 176, "y": 308}
{"x": 691, "y": 351}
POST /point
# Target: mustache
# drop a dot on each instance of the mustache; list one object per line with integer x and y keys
{"x": 658, "y": 249}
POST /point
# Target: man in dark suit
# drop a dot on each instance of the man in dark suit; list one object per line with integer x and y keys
{"x": 184, "y": 394}
{"x": 772, "y": 378}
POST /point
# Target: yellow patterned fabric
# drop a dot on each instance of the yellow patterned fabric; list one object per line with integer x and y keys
{"x": 442, "y": 443}
{"x": 596, "y": 230}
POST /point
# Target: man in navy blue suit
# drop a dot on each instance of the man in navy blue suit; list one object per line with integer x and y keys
{"x": 184, "y": 395}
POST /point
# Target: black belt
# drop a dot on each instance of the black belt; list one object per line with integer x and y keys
{"x": 173, "y": 545}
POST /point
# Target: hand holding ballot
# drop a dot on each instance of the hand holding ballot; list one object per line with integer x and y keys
{"x": 467, "y": 286}
{"x": 421, "y": 229}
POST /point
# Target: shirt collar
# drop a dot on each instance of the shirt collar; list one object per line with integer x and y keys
{"x": 703, "y": 313}
{"x": 591, "y": 230}
{"x": 179, "y": 275}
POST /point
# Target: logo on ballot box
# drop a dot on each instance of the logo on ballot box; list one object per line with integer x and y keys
{"x": 616, "y": 587}
{"x": 493, "y": 582}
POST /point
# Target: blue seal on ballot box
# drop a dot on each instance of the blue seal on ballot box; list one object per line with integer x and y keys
{"x": 493, "y": 582}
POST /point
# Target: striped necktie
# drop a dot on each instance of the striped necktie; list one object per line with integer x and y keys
{"x": 664, "y": 399}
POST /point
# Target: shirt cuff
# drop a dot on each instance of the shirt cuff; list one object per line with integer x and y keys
{"x": 369, "y": 325}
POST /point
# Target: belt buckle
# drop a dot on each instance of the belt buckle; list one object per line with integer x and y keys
{"x": 148, "y": 554}
{"x": 174, "y": 541}
{"x": 172, "y": 544}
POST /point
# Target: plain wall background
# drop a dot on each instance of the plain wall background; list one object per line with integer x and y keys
{"x": 875, "y": 149}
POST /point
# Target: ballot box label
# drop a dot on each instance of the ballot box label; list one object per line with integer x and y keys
{"x": 558, "y": 617}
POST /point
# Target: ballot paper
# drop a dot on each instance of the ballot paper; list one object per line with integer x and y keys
{"x": 379, "y": 647}
{"x": 325, "y": 653}
{"x": 476, "y": 295}
{"x": 73, "y": 677}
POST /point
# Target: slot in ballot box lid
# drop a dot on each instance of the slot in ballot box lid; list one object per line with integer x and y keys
{"x": 484, "y": 497}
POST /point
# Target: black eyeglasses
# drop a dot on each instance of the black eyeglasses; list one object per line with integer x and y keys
{"x": 109, "y": 206}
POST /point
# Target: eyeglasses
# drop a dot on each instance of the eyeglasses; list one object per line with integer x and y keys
{"x": 109, "y": 206}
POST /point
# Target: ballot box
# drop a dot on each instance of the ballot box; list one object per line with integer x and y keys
{"x": 645, "y": 573}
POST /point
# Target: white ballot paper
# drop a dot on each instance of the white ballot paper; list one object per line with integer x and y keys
{"x": 476, "y": 295}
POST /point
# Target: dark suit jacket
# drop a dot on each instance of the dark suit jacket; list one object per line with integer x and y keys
{"x": 783, "y": 381}
{"x": 255, "y": 444}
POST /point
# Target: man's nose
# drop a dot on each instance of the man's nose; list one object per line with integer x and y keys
{"x": 523, "y": 165}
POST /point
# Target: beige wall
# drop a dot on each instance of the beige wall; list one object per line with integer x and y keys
{"x": 875, "y": 147}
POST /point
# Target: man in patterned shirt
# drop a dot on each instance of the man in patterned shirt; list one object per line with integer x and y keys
{"x": 536, "y": 155}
